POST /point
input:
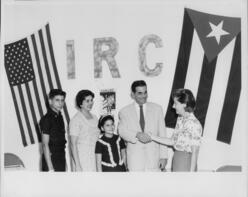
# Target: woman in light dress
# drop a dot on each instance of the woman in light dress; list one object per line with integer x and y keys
{"x": 84, "y": 133}
{"x": 186, "y": 138}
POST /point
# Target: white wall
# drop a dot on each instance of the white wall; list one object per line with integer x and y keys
{"x": 127, "y": 23}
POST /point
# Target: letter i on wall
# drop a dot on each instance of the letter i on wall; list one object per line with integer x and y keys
{"x": 70, "y": 59}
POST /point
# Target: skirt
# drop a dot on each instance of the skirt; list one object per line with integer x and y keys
{"x": 181, "y": 161}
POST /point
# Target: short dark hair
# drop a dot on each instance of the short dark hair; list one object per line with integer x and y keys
{"x": 81, "y": 95}
{"x": 102, "y": 121}
{"x": 185, "y": 96}
{"x": 137, "y": 84}
{"x": 55, "y": 92}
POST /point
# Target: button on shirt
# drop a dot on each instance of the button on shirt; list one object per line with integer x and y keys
{"x": 52, "y": 124}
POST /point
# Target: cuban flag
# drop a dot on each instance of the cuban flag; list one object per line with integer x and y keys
{"x": 209, "y": 64}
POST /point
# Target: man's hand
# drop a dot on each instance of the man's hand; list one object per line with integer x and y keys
{"x": 162, "y": 163}
{"x": 143, "y": 137}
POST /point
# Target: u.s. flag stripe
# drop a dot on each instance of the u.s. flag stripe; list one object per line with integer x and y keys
{"x": 42, "y": 65}
{"x": 25, "y": 116}
{"x": 44, "y": 69}
{"x": 37, "y": 59}
{"x": 232, "y": 96}
{"x": 24, "y": 141}
{"x": 29, "y": 113}
{"x": 204, "y": 89}
{"x": 44, "y": 55}
{"x": 48, "y": 59}
{"x": 50, "y": 48}
{"x": 24, "y": 107}
{"x": 37, "y": 107}
{"x": 181, "y": 66}
{"x": 35, "y": 88}
{"x": 38, "y": 83}
{"x": 34, "y": 115}
{"x": 22, "y": 116}
{"x": 49, "y": 40}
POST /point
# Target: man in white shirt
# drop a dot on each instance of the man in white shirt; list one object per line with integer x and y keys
{"x": 136, "y": 121}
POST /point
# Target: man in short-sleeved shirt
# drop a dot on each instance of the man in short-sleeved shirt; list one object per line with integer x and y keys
{"x": 53, "y": 134}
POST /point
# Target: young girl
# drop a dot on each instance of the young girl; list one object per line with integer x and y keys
{"x": 110, "y": 148}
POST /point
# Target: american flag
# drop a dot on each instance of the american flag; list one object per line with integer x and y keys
{"x": 32, "y": 72}
{"x": 209, "y": 63}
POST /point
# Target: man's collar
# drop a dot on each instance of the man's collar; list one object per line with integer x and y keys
{"x": 137, "y": 105}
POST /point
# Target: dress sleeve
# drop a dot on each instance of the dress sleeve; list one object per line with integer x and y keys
{"x": 98, "y": 149}
{"x": 195, "y": 128}
{"x": 45, "y": 125}
{"x": 122, "y": 144}
{"x": 74, "y": 126}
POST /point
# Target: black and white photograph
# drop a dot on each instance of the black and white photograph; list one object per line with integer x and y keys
{"x": 154, "y": 92}
{"x": 108, "y": 105}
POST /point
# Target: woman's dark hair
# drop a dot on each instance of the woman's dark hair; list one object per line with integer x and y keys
{"x": 81, "y": 95}
{"x": 185, "y": 96}
{"x": 139, "y": 83}
{"x": 102, "y": 121}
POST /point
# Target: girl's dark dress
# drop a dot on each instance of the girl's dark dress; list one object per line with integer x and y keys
{"x": 110, "y": 148}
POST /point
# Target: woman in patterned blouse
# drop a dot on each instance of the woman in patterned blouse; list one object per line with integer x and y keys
{"x": 186, "y": 138}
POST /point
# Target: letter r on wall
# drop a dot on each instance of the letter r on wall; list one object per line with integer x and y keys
{"x": 107, "y": 55}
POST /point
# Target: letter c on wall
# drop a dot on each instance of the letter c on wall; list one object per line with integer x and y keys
{"x": 142, "y": 55}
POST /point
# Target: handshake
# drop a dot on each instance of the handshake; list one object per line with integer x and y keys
{"x": 143, "y": 137}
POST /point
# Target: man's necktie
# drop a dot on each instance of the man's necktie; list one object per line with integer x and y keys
{"x": 142, "y": 118}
